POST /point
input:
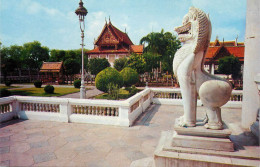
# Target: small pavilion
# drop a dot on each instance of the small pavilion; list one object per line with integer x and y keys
{"x": 52, "y": 72}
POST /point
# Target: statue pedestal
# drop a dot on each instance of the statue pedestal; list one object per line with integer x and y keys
{"x": 200, "y": 147}
{"x": 200, "y": 138}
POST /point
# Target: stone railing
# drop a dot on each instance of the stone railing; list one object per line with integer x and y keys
{"x": 110, "y": 112}
{"x": 166, "y": 95}
{"x": 7, "y": 111}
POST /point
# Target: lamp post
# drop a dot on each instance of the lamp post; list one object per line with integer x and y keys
{"x": 82, "y": 12}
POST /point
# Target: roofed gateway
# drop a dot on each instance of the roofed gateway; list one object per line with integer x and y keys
{"x": 113, "y": 44}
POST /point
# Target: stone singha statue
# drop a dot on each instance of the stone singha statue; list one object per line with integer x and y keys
{"x": 188, "y": 67}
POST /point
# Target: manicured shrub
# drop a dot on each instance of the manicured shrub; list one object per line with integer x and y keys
{"x": 4, "y": 92}
{"x": 77, "y": 83}
{"x": 49, "y": 89}
{"x": 106, "y": 76}
{"x": 113, "y": 91}
{"x": 38, "y": 84}
{"x": 8, "y": 83}
{"x": 133, "y": 90}
{"x": 130, "y": 76}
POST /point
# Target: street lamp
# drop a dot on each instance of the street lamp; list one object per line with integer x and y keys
{"x": 82, "y": 12}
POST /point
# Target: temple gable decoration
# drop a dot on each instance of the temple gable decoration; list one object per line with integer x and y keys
{"x": 113, "y": 44}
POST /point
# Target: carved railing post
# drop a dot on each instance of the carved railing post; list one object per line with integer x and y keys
{"x": 65, "y": 111}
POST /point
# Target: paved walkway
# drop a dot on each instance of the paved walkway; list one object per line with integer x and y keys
{"x": 91, "y": 92}
{"x": 45, "y": 143}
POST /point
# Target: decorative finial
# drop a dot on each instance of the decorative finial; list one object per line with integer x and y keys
{"x": 125, "y": 29}
{"x": 217, "y": 37}
{"x": 106, "y": 20}
{"x": 109, "y": 20}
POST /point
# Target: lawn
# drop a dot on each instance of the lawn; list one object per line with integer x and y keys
{"x": 123, "y": 94}
{"x": 58, "y": 91}
{"x": 9, "y": 87}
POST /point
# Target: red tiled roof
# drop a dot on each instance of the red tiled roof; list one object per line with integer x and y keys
{"x": 97, "y": 50}
{"x": 226, "y": 43}
{"x": 212, "y": 52}
{"x": 137, "y": 48}
{"x": 237, "y": 51}
{"x": 51, "y": 67}
{"x": 122, "y": 37}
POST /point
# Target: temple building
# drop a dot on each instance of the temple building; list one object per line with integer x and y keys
{"x": 113, "y": 44}
{"x": 219, "y": 50}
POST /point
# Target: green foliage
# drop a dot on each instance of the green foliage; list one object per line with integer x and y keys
{"x": 49, "y": 89}
{"x": 34, "y": 54}
{"x": 96, "y": 65}
{"x": 106, "y": 76}
{"x": 77, "y": 83}
{"x": 8, "y": 63}
{"x": 137, "y": 62}
{"x": 71, "y": 66}
{"x": 163, "y": 44}
{"x": 120, "y": 63}
{"x": 113, "y": 91}
{"x": 8, "y": 83}
{"x": 38, "y": 84}
{"x": 133, "y": 90}
{"x": 130, "y": 76}
{"x": 229, "y": 65}
{"x": 152, "y": 61}
{"x": 4, "y": 92}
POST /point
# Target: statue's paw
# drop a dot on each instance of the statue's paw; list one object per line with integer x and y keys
{"x": 206, "y": 119}
{"x": 214, "y": 126}
{"x": 183, "y": 123}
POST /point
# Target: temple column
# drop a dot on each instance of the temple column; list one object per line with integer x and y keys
{"x": 251, "y": 64}
{"x": 212, "y": 68}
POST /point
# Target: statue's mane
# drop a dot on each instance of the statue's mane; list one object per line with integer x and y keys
{"x": 204, "y": 29}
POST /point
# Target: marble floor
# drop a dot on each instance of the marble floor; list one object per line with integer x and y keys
{"x": 45, "y": 143}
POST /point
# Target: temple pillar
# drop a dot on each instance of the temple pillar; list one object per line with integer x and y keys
{"x": 212, "y": 69}
{"x": 251, "y": 102}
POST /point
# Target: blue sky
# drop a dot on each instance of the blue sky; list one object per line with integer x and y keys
{"x": 55, "y": 25}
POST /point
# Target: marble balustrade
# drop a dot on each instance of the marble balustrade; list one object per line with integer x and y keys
{"x": 109, "y": 112}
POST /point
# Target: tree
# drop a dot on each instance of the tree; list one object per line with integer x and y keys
{"x": 152, "y": 61}
{"x": 34, "y": 54}
{"x": 230, "y": 65}
{"x": 164, "y": 45}
{"x": 130, "y": 76}
{"x": 137, "y": 62}
{"x": 8, "y": 64}
{"x": 96, "y": 65}
{"x": 72, "y": 67}
{"x": 120, "y": 63}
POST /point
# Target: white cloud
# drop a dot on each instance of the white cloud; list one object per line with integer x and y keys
{"x": 94, "y": 24}
{"x": 33, "y": 7}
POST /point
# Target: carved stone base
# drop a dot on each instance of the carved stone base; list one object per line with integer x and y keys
{"x": 168, "y": 155}
{"x": 219, "y": 144}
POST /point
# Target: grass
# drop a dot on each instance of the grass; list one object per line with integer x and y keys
{"x": 123, "y": 94}
{"x": 9, "y": 87}
{"x": 58, "y": 91}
